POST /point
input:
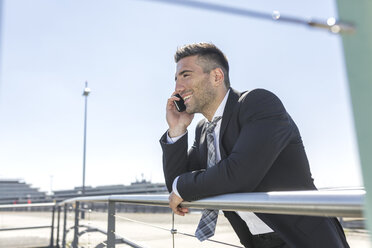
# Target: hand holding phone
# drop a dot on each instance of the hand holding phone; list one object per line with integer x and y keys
{"x": 180, "y": 105}
{"x": 179, "y": 120}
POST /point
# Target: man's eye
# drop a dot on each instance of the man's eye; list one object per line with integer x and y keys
{"x": 185, "y": 75}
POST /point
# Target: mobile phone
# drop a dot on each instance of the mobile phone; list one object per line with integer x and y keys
{"x": 180, "y": 105}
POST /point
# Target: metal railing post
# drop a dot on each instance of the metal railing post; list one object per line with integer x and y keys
{"x": 64, "y": 226}
{"x": 51, "y": 244}
{"x": 111, "y": 225}
{"x": 75, "y": 242}
{"x": 58, "y": 222}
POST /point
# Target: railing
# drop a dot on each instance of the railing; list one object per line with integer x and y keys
{"x": 29, "y": 206}
{"x": 342, "y": 203}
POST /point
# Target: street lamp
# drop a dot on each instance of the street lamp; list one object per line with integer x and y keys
{"x": 85, "y": 94}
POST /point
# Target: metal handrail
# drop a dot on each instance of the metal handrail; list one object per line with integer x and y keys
{"x": 48, "y": 204}
{"x": 31, "y": 205}
{"x": 340, "y": 203}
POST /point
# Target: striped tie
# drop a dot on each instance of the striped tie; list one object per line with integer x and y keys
{"x": 208, "y": 221}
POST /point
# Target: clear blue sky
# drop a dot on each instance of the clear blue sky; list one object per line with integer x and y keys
{"x": 124, "y": 49}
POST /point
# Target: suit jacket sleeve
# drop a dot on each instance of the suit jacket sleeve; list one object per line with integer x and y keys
{"x": 177, "y": 160}
{"x": 265, "y": 130}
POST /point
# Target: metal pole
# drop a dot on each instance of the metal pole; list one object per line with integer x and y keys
{"x": 85, "y": 93}
{"x": 173, "y": 230}
{"x": 64, "y": 226}
{"x": 75, "y": 242}
{"x": 58, "y": 222}
{"x": 51, "y": 245}
{"x": 111, "y": 225}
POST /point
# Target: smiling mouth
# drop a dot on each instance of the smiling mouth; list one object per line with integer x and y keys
{"x": 186, "y": 98}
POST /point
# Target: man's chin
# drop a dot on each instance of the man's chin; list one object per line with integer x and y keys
{"x": 189, "y": 110}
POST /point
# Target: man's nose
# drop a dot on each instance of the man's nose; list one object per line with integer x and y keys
{"x": 180, "y": 87}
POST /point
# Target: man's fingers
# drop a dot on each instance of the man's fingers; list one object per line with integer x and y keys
{"x": 174, "y": 204}
{"x": 178, "y": 211}
{"x": 173, "y": 98}
{"x": 170, "y": 103}
{"x": 183, "y": 210}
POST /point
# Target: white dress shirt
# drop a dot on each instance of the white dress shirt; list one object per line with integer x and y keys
{"x": 256, "y": 225}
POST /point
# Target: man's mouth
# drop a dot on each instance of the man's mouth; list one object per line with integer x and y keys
{"x": 186, "y": 98}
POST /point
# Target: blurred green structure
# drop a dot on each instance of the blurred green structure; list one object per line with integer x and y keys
{"x": 358, "y": 60}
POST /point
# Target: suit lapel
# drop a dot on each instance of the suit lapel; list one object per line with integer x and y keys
{"x": 230, "y": 104}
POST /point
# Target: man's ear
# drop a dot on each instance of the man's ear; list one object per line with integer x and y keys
{"x": 218, "y": 76}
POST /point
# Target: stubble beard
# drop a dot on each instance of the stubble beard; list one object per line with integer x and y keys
{"x": 202, "y": 101}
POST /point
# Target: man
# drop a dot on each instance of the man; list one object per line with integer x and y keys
{"x": 248, "y": 143}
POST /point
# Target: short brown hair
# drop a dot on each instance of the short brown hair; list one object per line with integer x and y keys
{"x": 209, "y": 53}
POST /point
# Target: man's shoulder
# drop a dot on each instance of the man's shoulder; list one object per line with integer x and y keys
{"x": 256, "y": 97}
{"x": 259, "y": 101}
{"x": 256, "y": 93}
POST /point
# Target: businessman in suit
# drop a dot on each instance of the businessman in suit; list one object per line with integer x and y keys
{"x": 247, "y": 143}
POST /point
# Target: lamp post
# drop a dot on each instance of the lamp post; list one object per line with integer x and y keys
{"x": 85, "y": 94}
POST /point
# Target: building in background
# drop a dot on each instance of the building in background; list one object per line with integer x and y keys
{"x": 16, "y": 191}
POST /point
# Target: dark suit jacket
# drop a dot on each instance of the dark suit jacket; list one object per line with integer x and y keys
{"x": 261, "y": 150}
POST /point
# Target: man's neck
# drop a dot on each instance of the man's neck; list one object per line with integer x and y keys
{"x": 214, "y": 107}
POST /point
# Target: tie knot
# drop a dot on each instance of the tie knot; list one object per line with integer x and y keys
{"x": 211, "y": 125}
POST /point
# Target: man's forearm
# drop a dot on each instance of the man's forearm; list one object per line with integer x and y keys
{"x": 174, "y": 158}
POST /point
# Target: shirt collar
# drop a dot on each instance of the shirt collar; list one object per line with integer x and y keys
{"x": 221, "y": 108}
